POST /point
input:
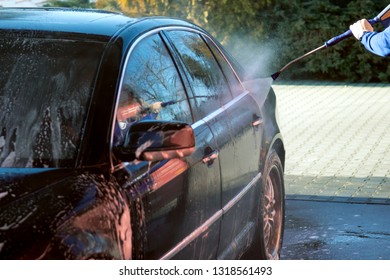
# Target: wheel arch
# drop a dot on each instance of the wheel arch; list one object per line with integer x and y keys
{"x": 278, "y": 146}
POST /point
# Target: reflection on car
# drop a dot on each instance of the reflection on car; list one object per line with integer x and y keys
{"x": 125, "y": 138}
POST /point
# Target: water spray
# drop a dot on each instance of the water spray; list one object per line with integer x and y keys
{"x": 383, "y": 17}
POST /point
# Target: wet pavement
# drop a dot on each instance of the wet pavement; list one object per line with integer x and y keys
{"x": 336, "y": 231}
{"x": 337, "y": 139}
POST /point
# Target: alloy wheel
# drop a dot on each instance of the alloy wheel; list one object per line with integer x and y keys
{"x": 273, "y": 210}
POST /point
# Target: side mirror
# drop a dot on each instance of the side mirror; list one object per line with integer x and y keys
{"x": 153, "y": 140}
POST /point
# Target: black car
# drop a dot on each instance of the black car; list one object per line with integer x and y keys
{"x": 125, "y": 138}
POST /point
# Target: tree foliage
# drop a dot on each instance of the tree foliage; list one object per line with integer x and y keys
{"x": 309, "y": 24}
{"x": 69, "y": 3}
{"x": 266, "y": 34}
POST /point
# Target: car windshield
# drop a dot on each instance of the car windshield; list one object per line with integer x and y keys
{"x": 45, "y": 89}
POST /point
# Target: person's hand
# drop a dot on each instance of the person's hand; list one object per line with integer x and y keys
{"x": 155, "y": 107}
{"x": 359, "y": 27}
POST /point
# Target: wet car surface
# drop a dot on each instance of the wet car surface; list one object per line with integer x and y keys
{"x": 128, "y": 138}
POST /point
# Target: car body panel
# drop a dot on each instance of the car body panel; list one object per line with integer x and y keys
{"x": 244, "y": 148}
{"x": 47, "y": 208}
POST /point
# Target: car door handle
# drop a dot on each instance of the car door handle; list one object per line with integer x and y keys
{"x": 209, "y": 158}
{"x": 257, "y": 121}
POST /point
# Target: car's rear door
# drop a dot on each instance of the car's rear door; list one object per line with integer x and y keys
{"x": 240, "y": 196}
{"x": 235, "y": 120}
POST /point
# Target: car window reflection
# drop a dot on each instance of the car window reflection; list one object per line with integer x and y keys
{"x": 207, "y": 80}
{"x": 152, "y": 88}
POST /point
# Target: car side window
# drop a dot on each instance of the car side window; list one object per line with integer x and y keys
{"x": 208, "y": 83}
{"x": 234, "y": 83}
{"x": 151, "y": 87}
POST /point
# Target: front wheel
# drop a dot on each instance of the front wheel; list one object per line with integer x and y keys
{"x": 271, "y": 216}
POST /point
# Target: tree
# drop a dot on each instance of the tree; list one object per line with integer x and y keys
{"x": 109, "y": 5}
{"x": 193, "y": 10}
{"x": 70, "y": 3}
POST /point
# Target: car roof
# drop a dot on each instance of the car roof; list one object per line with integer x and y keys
{"x": 77, "y": 21}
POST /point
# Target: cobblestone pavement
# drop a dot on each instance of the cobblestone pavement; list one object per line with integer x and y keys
{"x": 337, "y": 139}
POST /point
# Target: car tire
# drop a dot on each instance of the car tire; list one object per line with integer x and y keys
{"x": 271, "y": 214}
{"x": 267, "y": 242}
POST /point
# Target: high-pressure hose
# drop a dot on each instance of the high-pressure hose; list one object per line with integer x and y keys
{"x": 383, "y": 17}
{"x": 276, "y": 75}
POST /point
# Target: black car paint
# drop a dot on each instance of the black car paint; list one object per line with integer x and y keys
{"x": 106, "y": 209}
{"x": 37, "y": 221}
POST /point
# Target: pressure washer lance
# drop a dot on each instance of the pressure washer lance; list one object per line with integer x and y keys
{"x": 383, "y": 17}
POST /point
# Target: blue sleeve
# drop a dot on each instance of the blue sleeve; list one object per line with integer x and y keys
{"x": 377, "y": 42}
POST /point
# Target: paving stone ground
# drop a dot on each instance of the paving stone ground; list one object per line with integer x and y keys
{"x": 337, "y": 139}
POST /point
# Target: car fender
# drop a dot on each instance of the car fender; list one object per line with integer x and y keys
{"x": 272, "y": 137}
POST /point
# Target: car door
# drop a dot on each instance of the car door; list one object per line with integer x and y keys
{"x": 235, "y": 120}
{"x": 173, "y": 201}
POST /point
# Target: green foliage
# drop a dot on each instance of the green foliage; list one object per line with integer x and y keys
{"x": 69, "y": 3}
{"x": 109, "y": 5}
{"x": 267, "y": 34}
{"x": 300, "y": 26}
